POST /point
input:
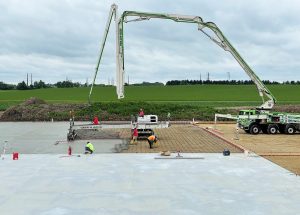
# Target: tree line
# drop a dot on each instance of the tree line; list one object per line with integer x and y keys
{"x": 69, "y": 84}
{"x": 39, "y": 85}
{"x": 224, "y": 82}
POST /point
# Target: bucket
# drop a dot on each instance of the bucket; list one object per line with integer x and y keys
{"x": 226, "y": 152}
{"x": 15, "y": 156}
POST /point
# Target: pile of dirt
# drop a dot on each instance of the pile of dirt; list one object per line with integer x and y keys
{"x": 33, "y": 101}
{"x": 288, "y": 108}
{"x": 35, "y": 109}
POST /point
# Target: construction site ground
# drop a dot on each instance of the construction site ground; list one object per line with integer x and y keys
{"x": 41, "y": 137}
{"x": 183, "y": 138}
{"x": 45, "y": 180}
{"x": 282, "y": 149}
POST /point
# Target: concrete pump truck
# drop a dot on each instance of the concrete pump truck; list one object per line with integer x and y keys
{"x": 252, "y": 121}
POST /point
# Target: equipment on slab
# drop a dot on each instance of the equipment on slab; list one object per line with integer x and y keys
{"x": 178, "y": 155}
{"x": 69, "y": 150}
{"x": 15, "y": 156}
{"x": 60, "y": 141}
{"x": 71, "y": 136}
{"x": 4, "y": 149}
{"x": 165, "y": 153}
{"x": 146, "y": 125}
{"x": 69, "y": 156}
{"x": 226, "y": 152}
{"x": 180, "y": 158}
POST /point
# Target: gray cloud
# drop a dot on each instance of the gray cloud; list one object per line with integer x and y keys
{"x": 58, "y": 39}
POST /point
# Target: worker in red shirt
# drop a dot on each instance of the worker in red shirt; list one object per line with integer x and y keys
{"x": 141, "y": 113}
{"x": 135, "y": 135}
{"x": 95, "y": 121}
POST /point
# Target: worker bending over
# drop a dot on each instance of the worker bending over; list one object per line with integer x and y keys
{"x": 89, "y": 148}
{"x": 152, "y": 139}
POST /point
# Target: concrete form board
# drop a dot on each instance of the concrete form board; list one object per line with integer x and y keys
{"x": 140, "y": 184}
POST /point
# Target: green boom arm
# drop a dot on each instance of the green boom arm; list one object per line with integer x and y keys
{"x": 221, "y": 41}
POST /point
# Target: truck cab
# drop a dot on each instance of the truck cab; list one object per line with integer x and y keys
{"x": 248, "y": 112}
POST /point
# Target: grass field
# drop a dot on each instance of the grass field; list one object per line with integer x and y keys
{"x": 211, "y": 95}
{"x": 183, "y": 102}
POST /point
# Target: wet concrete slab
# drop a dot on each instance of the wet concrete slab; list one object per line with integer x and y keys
{"x": 41, "y": 138}
{"x": 139, "y": 184}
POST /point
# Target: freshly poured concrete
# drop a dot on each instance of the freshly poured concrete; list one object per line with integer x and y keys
{"x": 43, "y": 182}
{"x": 40, "y": 138}
{"x": 139, "y": 184}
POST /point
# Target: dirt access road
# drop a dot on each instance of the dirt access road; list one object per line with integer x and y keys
{"x": 281, "y": 149}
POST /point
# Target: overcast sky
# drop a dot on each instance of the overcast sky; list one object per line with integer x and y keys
{"x": 59, "y": 39}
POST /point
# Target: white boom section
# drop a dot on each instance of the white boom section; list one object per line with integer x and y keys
{"x": 120, "y": 60}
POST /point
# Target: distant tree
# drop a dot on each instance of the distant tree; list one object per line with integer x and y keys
{"x": 22, "y": 86}
{"x": 4, "y": 86}
{"x": 67, "y": 84}
{"x": 149, "y": 84}
{"x": 232, "y": 82}
{"x": 40, "y": 84}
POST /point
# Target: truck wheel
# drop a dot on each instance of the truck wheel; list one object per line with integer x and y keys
{"x": 254, "y": 129}
{"x": 264, "y": 129}
{"x": 289, "y": 129}
{"x": 272, "y": 129}
{"x": 281, "y": 129}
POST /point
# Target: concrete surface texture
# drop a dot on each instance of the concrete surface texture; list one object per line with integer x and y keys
{"x": 139, "y": 184}
{"x": 40, "y": 138}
